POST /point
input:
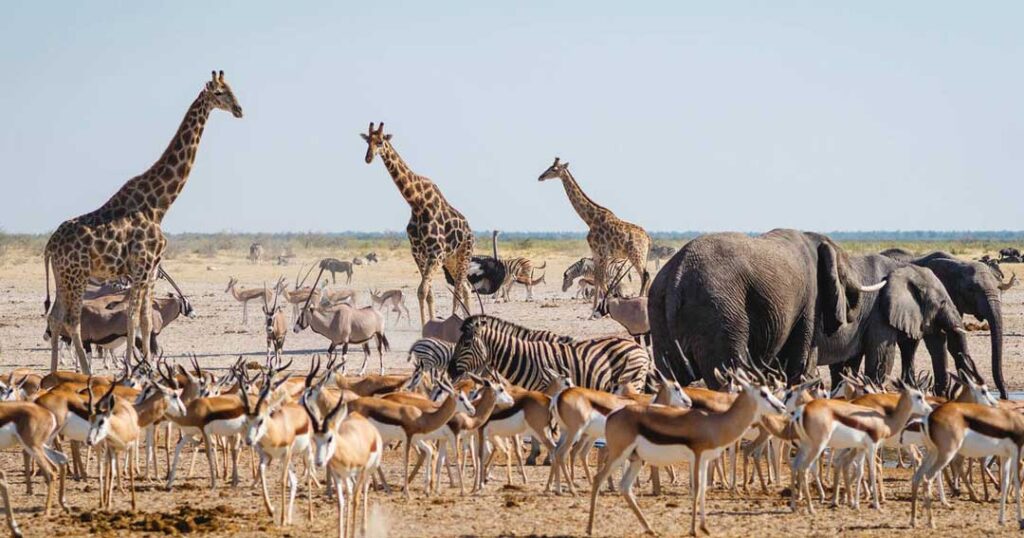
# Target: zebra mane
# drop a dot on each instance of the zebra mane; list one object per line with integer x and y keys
{"x": 578, "y": 268}
{"x": 480, "y": 321}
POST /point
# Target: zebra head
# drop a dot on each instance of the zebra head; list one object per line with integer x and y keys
{"x": 469, "y": 356}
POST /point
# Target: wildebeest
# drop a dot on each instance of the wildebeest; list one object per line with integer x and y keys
{"x": 334, "y": 265}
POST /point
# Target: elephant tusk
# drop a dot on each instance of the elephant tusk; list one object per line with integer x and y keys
{"x": 873, "y": 287}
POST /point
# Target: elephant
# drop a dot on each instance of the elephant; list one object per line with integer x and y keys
{"x": 976, "y": 290}
{"x": 726, "y": 296}
{"x": 899, "y": 254}
{"x": 913, "y": 305}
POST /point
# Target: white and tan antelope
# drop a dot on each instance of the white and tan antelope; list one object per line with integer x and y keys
{"x": 390, "y": 301}
{"x": 972, "y": 431}
{"x": 244, "y": 295}
{"x": 279, "y": 429}
{"x": 114, "y": 425}
{"x": 352, "y": 449}
{"x": 491, "y": 394}
{"x": 839, "y": 424}
{"x": 410, "y": 424}
{"x": 275, "y": 325}
{"x": 581, "y": 414}
{"x": 207, "y": 418}
{"x": 664, "y": 436}
{"x": 529, "y": 414}
{"x": 30, "y": 427}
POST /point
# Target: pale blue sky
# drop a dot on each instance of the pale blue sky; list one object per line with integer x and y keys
{"x": 677, "y": 115}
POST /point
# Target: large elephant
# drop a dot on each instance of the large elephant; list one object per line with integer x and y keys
{"x": 727, "y": 295}
{"x": 913, "y": 305}
{"x": 975, "y": 290}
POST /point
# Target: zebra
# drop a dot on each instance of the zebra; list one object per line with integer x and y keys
{"x": 432, "y": 355}
{"x": 519, "y": 270}
{"x": 584, "y": 268}
{"x": 524, "y": 356}
{"x": 337, "y": 266}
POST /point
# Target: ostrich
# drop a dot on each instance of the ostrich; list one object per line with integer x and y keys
{"x": 486, "y": 273}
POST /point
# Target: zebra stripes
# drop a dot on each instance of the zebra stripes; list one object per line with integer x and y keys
{"x": 523, "y": 356}
{"x": 519, "y": 270}
{"x": 431, "y": 354}
{"x": 584, "y": 267}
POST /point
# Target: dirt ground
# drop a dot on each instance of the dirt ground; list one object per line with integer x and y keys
{"x": 217, "y": 337}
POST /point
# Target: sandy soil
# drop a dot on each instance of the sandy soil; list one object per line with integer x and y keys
{"x": 217, "y": 336}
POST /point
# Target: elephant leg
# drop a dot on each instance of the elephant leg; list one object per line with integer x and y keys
{"x": 796, "y": 354}
{"x": 936, "y": 345}
{"x": 908, "y": 347}
{"x": 879, "y": 353}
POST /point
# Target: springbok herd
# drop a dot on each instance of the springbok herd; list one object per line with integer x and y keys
{"x": 483, "y": 385}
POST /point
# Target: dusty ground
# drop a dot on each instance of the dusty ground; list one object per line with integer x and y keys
{"x": 216, "y": 336}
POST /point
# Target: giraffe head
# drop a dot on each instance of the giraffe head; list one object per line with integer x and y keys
{"x": 220, "y": 94}
{"x": 374, "y": 141}
{"x": 555, "y": 171}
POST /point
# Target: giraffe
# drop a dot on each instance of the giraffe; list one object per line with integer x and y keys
{"x": 610, "y": 238}
{"x": 438, "y": 234}
{"x": 123, "y": 237}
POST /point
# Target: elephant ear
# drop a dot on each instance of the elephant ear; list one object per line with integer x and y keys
{"x": 831, "y": 289}
{"x": 899, "y": 303}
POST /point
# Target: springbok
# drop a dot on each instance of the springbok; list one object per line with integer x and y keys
{"x": 352, "y": 449}
{"x": 275, "y": 324}
{"x": 244, "y": 295}
{"x": 391, "y": 301}
{"x": 30, "y": 427}
{"x": 663, "y": 436}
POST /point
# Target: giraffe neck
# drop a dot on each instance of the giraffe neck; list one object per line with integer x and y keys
{"x": 155, "y": 190}
{"x": 588, "y": 210}
{"x": 404, "y": 178}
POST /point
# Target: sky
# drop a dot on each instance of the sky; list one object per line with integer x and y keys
{"x": 708, "y": 116}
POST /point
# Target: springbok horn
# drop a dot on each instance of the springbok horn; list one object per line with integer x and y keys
{"x": 873, "y": 287}
{"x": 686, "y": 362}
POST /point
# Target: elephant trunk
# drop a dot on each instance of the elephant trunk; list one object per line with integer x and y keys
{"x": 992, "y": 310}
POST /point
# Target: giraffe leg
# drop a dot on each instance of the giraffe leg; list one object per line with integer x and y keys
{"x": 55, "y": 321}
{"x": 135, "y": 297}
{"x": 424, "y": 293}
{"x": 73, "y": 323}
{"x": 459, "y": 271}
{"x": 600, "y": 279}
{"x": 146, "y": 318}
{"x": 639, "y": 262}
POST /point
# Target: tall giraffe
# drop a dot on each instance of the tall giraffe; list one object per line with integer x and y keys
{"x": 610, "y": 238}
{"x": 438, "y": 234}
{"x": 123, "y": 237}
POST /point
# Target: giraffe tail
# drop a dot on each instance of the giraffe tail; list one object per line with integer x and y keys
{"x": 46, "y": 264}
